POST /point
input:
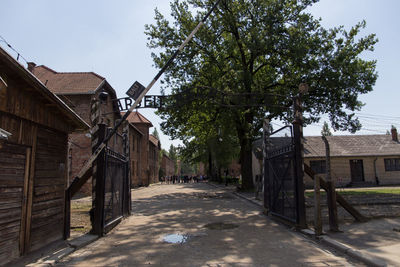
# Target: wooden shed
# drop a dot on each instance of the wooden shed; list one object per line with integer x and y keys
{"x": 33, "y": 156}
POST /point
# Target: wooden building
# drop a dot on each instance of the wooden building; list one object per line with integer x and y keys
{"x": 81, "y": 92}
{"x": 33, "y": 158}
{"x": 154, "y": 152}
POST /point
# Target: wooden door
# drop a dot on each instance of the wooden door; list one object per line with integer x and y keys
{"x": 357, "y": 170}
{"x": 14, "y": 174}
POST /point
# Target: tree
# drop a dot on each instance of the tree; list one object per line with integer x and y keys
{"x": 325, "y": 130}
{"x": 155, "y": 133}
{"x": 246, "y": 62}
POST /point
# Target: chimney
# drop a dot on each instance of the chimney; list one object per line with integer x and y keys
{"x": 394, "y": 134}
{"x": 31, "y": 66}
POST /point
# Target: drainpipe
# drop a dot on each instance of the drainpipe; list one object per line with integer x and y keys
{"x": 375, "y": 171}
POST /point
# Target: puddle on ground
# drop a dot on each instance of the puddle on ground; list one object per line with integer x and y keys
{"x": 220, "y": 226}
{"x": 175, "y": 238}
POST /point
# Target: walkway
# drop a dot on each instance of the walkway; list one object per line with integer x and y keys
{"x": 219, "y": 229}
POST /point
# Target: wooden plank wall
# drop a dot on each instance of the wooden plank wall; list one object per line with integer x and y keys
{"x": 21, "y": 101}
{"x": 12, "y": 176}
{"x": 49, "y": 188}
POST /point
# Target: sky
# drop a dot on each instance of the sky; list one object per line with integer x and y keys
{"x": 107, "y": 37}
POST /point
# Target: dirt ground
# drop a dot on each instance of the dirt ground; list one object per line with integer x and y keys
{"x": 216, "y": 229}
{"x": 80, "y": 218}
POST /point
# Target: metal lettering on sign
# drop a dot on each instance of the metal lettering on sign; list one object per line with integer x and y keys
{"x": 135, "y": 90}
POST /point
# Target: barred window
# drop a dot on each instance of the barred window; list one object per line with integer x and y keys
{"x": 392, "y": 165}
{"x": 318, "y": 166}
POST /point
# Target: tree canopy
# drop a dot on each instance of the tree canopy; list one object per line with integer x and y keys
{"x": 246, "y": 63}
{"x": 325, "y": 130}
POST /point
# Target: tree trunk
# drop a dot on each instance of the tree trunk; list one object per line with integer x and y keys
{"x": 246, "y": 164}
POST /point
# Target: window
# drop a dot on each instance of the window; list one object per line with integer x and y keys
{"x": 392, "y": 165}
{"x": 318, "y": 166}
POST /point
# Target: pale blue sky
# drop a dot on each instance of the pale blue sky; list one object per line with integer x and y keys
{"x": 107, "y": 37}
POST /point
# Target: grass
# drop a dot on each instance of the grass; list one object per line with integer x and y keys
{"x": 361, "y": 191}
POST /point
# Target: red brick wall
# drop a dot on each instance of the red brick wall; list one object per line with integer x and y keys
{"x": 135, "y": 140}
{"x": 80, "y": 145}
{"x": 153, "y": 162}
{"x": 144, "y": 173}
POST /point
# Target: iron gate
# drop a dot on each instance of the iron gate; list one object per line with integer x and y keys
{"x": 282, "y": 193}
{"x": 116, "y": 186}
{"x": 111, "y": 186}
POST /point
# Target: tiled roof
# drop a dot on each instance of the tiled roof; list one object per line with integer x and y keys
{"x": 153, "y": 139}
{"x": 136, "y": 117}
{"x": 352, "y": 145}
{"x": 68, "y": 82}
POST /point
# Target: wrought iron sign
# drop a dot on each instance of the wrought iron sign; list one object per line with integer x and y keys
{"x": 149, "y": 101}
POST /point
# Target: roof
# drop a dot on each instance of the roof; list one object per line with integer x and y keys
{"x": 352, "y": 145}
{"x": 135, "y": 128}
{"x": 73, "y": 118}
{"x": 154, "y": 140}
{"x": 136, "y": 117}
{"x": 68, "y": 82}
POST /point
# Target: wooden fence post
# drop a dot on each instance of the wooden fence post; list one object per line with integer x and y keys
{"x": 317, "y": 207}
{"x": 331, "y": 193}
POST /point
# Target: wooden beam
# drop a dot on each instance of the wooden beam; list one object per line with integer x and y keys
{"x": 30, "y": 190}
{"x": 346, "y": 205}
{"x": 78, "y": 182}
{"x": 22, "y": 232}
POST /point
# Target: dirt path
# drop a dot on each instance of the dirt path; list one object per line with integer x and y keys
{"x": 218, "y": 228}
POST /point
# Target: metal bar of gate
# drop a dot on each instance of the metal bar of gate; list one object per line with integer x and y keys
{"x": 137, "y": 101}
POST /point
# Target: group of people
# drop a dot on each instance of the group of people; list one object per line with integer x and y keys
{"x": 176, "y": 179}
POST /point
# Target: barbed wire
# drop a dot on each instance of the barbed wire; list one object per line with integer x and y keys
{"x": 12, "y": 48}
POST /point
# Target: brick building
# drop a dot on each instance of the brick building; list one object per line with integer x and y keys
{"x": 139, "y": 140}
{"x": 167, "y": 165}
{"x": 154, "y": 152}
{"x": 135, "y": 155}
{"x": 80, "y": 91}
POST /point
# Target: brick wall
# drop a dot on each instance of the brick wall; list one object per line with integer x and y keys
{"x": 143, "y": 166}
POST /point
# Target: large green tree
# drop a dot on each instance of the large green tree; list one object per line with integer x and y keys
{"x": 246, "y": 63}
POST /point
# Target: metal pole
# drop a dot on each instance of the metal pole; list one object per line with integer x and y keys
{"x": 139, "y": 99}
{"x": 299, "y": 162}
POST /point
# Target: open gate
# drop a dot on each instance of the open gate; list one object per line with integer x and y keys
{"x": 283, "y": 175}
{"x": 111, "y": 183}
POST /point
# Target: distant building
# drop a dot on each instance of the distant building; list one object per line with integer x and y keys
{"x": 167, "y": 165}
{"x": 140, "y": 173}
{"x": 154, "y": 152}
{"x": 356, "y": 160}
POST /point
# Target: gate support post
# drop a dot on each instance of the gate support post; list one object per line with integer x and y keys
{"x": 99, "y": 169}
{"x": 331, "y": 192}
{"x": 266, "y": 183}
{"x": 317, "y": 207}
{"x": 299, "y": 155}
